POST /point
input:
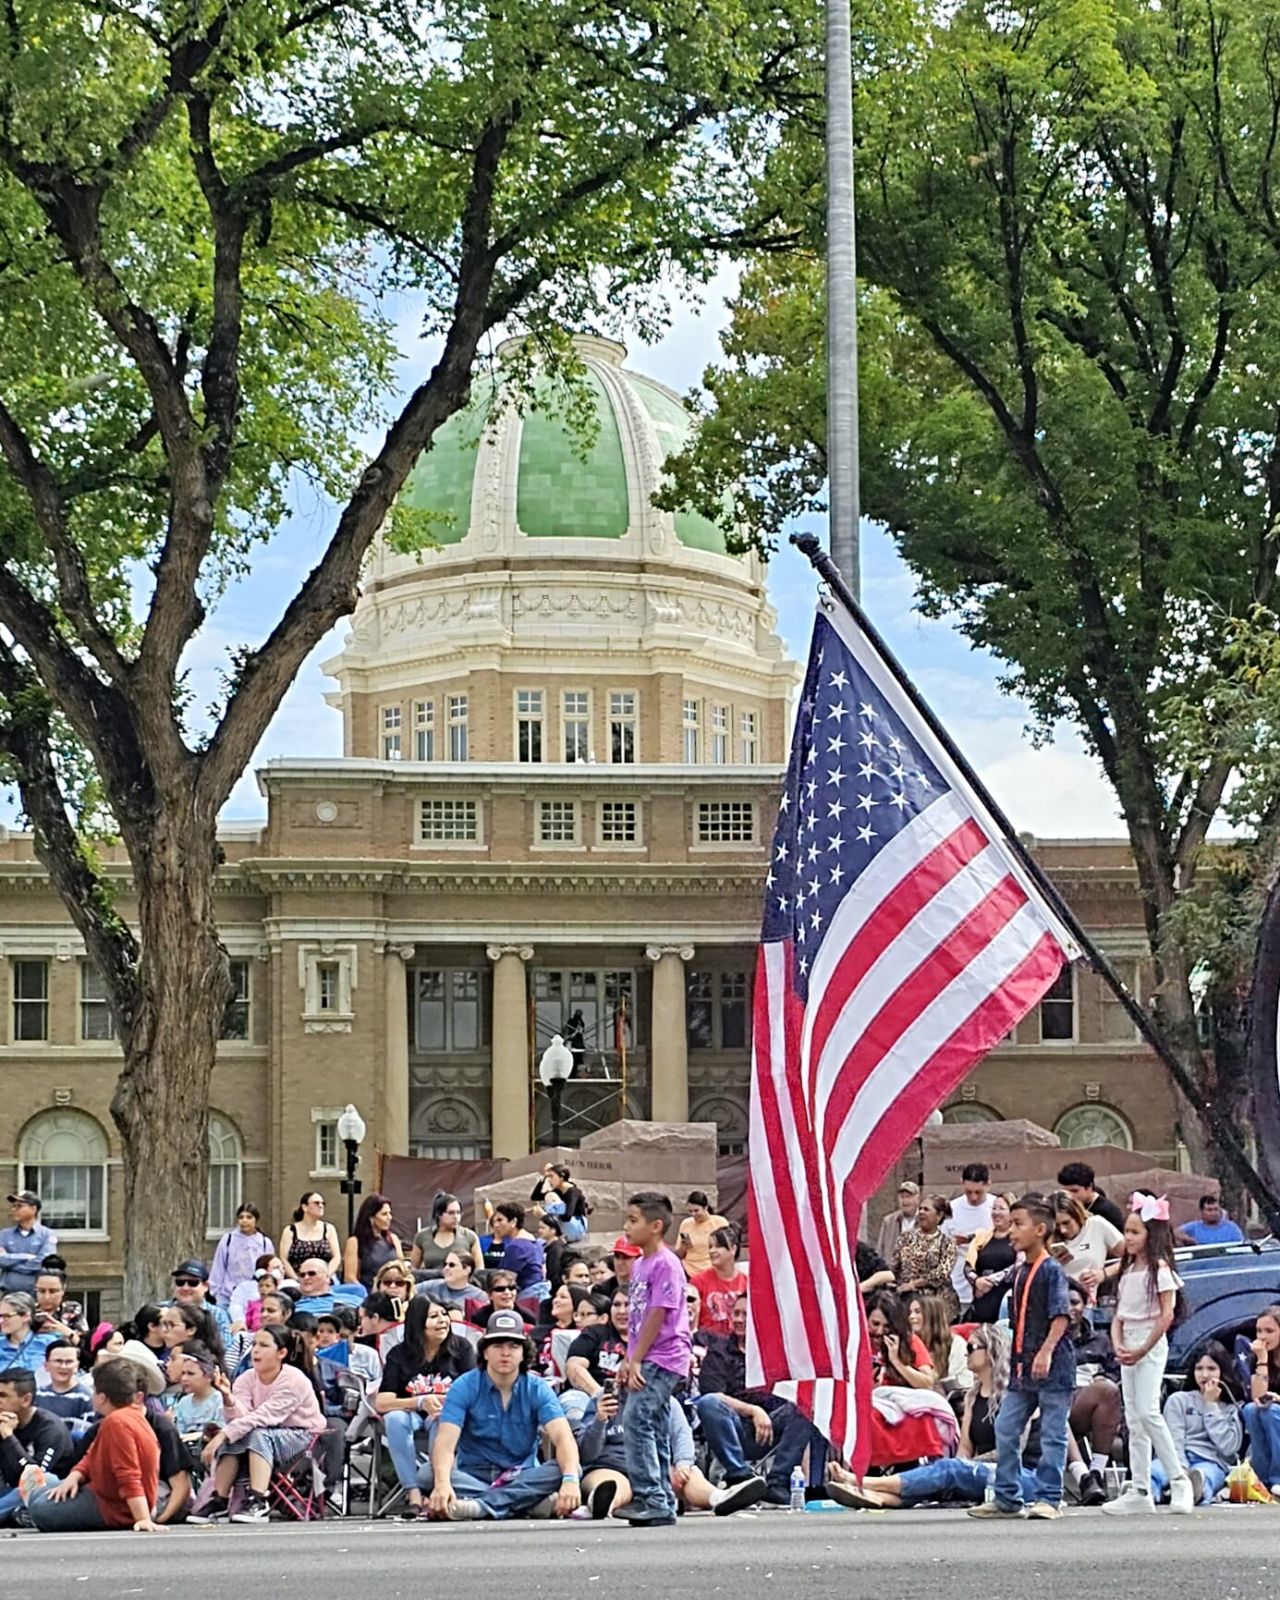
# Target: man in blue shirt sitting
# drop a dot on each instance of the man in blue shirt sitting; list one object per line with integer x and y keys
{"x": 485, "y": 1458}
{"x": 319, "y": 1292}
{"x": 25, "y": 1243}
{"x": 1213, "y": 1227}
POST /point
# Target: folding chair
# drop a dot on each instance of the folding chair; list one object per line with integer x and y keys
{"x": 297, "y": 1489}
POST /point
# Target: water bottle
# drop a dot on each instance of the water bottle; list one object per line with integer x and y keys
{"x": 797, "y": 1489}
{"x": 989, "y": 1495}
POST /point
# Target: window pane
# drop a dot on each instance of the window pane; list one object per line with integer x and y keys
{"x": 431, "y": 1035}
{"x": 1058, "y": 1010}
{"x": 733, "y": 1010}
{"x": 72, "y": 1197}
{"x": 30, "y": 1000}
{"x": 235, "y": 1019}
{"x": 466, "y": 1010}
{"x": 224, "y": 1194}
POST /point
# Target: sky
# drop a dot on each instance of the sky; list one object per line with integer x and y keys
{"x": 1052, "y": 792}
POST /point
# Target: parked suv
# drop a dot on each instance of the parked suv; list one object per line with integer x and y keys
{"x": 1225, "y": 1288}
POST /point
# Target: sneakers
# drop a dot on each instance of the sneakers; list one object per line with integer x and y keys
{"x": 1197, "y": 1484}
{"x": 737, "y": 1496}
{"x": 216, "y": 1511}
{"x": 255, "y": 1509}
{"x": 602, "y": 1498}
{"x": 1092, "y": 1490}
{"x": 1133, "y": 1502}
{"x": 993, "y": 1511}
{"x": 466, "y": 1511}
{"x": 1042, "y": 1511}
{"x": 1182, "y": 1498}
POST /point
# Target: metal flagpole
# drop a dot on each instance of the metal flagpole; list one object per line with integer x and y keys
{"x": 1222, "y": 1128}
{"x": 842, "y": 303}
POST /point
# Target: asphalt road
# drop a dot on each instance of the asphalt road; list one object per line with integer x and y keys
{"x": 1227, "y": 1553}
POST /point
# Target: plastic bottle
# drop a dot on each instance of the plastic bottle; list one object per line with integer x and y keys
{"x": 798, "y": 1483}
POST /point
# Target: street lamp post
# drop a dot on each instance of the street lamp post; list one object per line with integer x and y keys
{"x": 555, "y": 1069}
{"x": 351, "y": 1130}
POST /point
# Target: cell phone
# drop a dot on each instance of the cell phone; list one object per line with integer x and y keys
{"x": 1060, "y": 1252}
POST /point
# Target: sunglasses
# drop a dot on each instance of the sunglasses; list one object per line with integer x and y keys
{"x": 308, "y": 1274}
{"x": 399, "y": 1283}
{"x": 188, "y": 1283}
{"x": 975, "y": 1344}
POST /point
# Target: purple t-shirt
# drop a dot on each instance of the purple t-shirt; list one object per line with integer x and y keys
{"x": 659, "y": 1280}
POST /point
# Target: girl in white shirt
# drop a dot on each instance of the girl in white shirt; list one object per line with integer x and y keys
{"x": 1146, "y": 1304}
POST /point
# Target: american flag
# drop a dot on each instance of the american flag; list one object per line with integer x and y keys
{"x": 902, "y": 939}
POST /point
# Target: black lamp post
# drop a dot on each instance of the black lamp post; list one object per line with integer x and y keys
{"x": 351, "y": 1130}
{"x": 555, "y": 1069}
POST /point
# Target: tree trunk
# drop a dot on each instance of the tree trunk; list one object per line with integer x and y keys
{"x": 1229, "y": 1087}
{"x": 161, "y": 1101}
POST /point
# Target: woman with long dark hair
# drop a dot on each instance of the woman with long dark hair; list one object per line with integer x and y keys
{"x": 415, "y": 1380}
{"x": 272, "y": 1416}
{"x": 1262, "y": 1414}
{"x": 309, "y": 1237}
{"x": 372, "y": 1245}
{"x": 1204, "y": 1419}
{"x": 1146, "y": 1308}
{"x": 563, "y": 1309}
{"x": 446, "y": 1232}
{"x": 181, "y": 1325}
{"x": 898, "y": 1357}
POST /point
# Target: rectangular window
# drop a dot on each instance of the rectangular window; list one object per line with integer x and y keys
{"x": 619, "y": 822}
{"x": 96, "y": 1021}
{"x": 719, "y": 735}
{"x": 449, "y": 822}
{"x": 1116, "y": 1025}
{"x": 449, "y": 1011}
{"x": 1058, "y": 1010}
{"x": 235, "y": 1019}
{"x": 327, "y": 1146}
{"x": 30, "y": 980}
{"x": 391, "y": 748}
{"x": 557, "y": 822}
{"x": 575, "y": 723}
{"x": 691, "y": 730}
{"x": 328, "y": 986}
{"x": 726, "y": 822}
{"x": 622, "y": 727}
{"x": 73, "y": 1197}
{"x": 716, "y": 1010}
{"x": 223, "y": 1195}
{"x": 528, "y": 724}
{"x": 750, "y": 738}
{"x": 424, "y": 730}
{"x": 458, "y": 727}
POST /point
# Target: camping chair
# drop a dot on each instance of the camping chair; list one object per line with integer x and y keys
{"x": 297, "y": 1489}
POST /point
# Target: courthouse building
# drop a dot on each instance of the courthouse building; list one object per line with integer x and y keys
{"x": 564, "y": 732}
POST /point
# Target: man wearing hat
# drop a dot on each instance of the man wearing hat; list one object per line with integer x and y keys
{"x": 191, "y": 1288}
{"x": 484, "y": 1462}
{"x": 898, "y": 1222}
{"x": 25, "y": 1243}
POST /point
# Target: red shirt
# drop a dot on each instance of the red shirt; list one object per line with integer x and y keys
{"x": 122, "y": 1463}
{"x": 718, "y": 1297}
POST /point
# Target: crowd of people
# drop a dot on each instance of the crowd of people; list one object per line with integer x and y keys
{"x": 1018, "y": 1346}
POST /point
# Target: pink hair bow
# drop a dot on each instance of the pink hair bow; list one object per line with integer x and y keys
{"x": 1148, "y": 1208}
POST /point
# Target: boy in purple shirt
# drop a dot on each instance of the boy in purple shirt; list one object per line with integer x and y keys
{"x": 658, "y": 1351}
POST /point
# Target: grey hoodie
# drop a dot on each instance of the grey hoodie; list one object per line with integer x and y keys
{"x": 1213, "y": 1432}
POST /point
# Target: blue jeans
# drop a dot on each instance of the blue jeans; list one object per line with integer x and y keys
{"x": 400, "y": 1429}
{"x": 1213, "y": 1473}
{"x": 1016, "y": 1410}
{"x": 733, "y": 1440}
{"x": 516, "y": 1498}
{"x": 10, "y": 1500}
{"x": 574, "y": 1404}
{"x": 646, "y": 1433}
{"x": 81, "y": 1514}
{"x": 1263, "y": 1423}
{"x": 965, "y": 1482}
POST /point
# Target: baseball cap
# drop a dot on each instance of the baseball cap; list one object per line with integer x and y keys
{"x": 134, "y": 1350}
{"x": 504, "y": 1325}
{"x": 908, "y": 1187}
{"x": 622, "y": 1246}
{"x": 25, "y": 1197}
{"x": 190, "y": 1269}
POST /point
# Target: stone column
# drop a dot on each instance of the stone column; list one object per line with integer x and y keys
{"x": 668, "y": 1038}
{"x": 509, "y": 1117}
{"x": 393, "y": 1118}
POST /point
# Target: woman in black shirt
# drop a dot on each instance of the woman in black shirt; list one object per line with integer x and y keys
{"x": 415, "y": 1380}
{"x": 990, "y": 1256}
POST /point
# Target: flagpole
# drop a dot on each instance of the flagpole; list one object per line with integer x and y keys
{"x": 1222, "y": 1128}
{"x": 845, "y": 508}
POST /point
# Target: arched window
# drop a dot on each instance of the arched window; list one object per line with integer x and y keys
{"x": 1093, "y": 1124}
{"x": 63, "y": 1155}
{"x": 226, "y": 1173}
{"x": 965, "y": 1112}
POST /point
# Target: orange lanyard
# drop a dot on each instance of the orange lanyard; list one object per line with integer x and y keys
{"x": 1021, "y": 1311}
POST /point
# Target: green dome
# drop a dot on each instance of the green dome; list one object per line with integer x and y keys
{"x": 562, "y": 490}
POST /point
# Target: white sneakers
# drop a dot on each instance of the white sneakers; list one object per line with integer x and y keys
{"x": 1182, "y": 1496}
{"x": 1131, "y": 1503}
